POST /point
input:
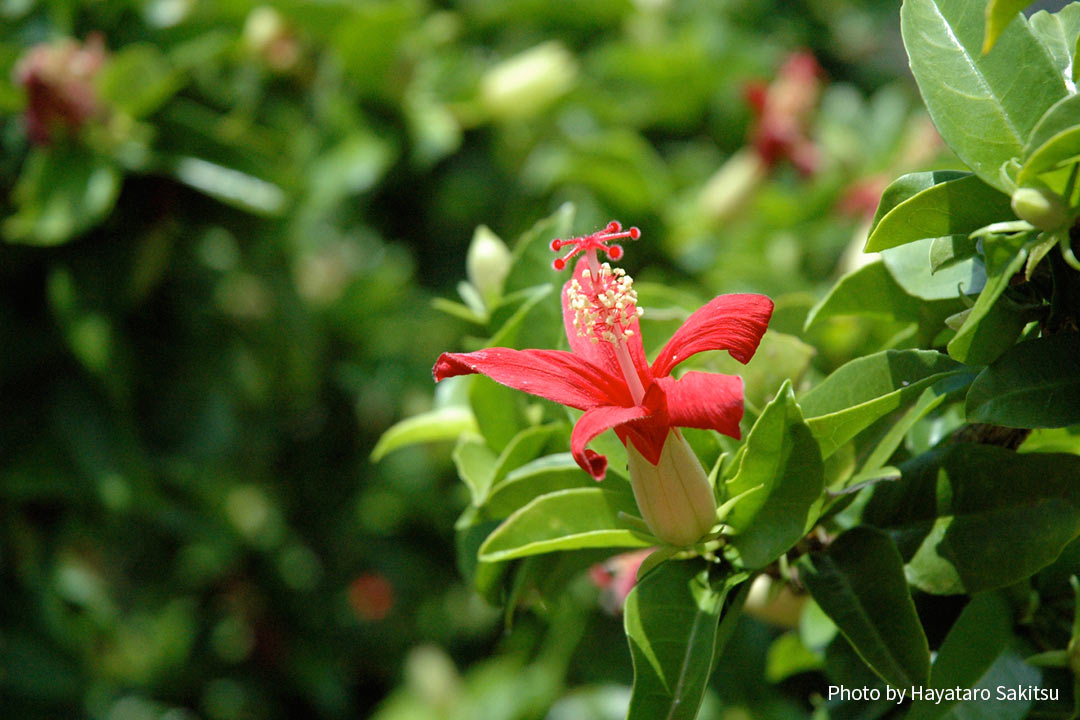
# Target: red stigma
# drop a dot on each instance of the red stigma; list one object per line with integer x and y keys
{"x": 596, "y": 241}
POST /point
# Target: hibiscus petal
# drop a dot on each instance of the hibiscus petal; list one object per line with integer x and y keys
{"x": 728, "y": 322}
{"x": 602, "y": 354}
{"x": 591, "y": 424}
{"x": 553, "y": 374}
{"x": 710, "y": 401}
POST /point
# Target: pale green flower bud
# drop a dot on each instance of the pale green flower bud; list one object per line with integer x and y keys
{"x": 487, "y": 263}
{"x": 674, "y": 496}
{"x": 1041, "y": 207}
{"x": 527, "y": 83}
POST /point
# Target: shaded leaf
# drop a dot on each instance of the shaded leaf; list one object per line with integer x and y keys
{"x": 781, "y": 456}
{"x": 859, "y": 583}
{"x": 977, "y": 639}
{"x": 673, "y": 624}
{"x": 970, "y": 518}
{"x": 993, "y": 323}
{"x": 1034, "y": 385}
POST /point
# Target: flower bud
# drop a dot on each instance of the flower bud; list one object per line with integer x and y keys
{"x": 674, "y": 496}
{"x": 487, "y": 263}
{"x": 1041, "y": 207}
{"x": 528, "y": 82}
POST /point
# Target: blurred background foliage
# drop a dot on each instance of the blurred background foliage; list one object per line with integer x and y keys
{"x": 223, "y": 228}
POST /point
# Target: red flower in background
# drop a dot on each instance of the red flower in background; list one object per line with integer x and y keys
{"x": 783, "y": 110}
{"x": 606, "y": 375}
{"x": 59, "y": 82}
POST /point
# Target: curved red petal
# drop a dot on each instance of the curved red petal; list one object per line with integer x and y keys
{"x": 710, "y": 401}
{"x": 727, "y": 322}
{"x": 602, "y": 354}
{"x": 553, "y": 374}
{"x": 591, "y": 424}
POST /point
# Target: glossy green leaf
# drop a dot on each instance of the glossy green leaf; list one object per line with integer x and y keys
{"x": 945, "y": 251}
{"x": 977, "y": 639}
{"x": 564, "y": 520}
{"x": 975, "y": 101}
{"x": 781, "y": 456}
{"x": 61, "y": 192}
{"x": 970, "y": 518}
{"x": 1058, "y": 32}
{"x": 872, "y": 292}
{"x": 673, "y": 623}
{"x": 1034, "y": 385}
{"x": 866, "y": 389}
{"x": 993, "y": 323}
{"x": 946, "y": 389}
{"x": 443, "y": 424}
{"x": 999, "y": 13}
{"x": 539, "y": 477}
{"x": 1054, "y": 141}
{"x": 522, "y": 448}
{"x": 910, "y": 267}
{"x": 475, "y": 465}
{"x": 497, "y": 411}
{"x": 935, "y": 204}
{"x": 859, "y": 583}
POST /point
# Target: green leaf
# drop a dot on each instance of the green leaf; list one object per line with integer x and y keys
{"x": 564, "y": 520}
{"x": 532, "y": 254}
{"x": 859, "y": 583}
{"x": 1054, "y": 141}
{"x": 443, "y": 424}
{"x": 62, "y": 192}
{"x": 782, "y": 456}
{"x": 999, "y": 13}
{"x": 229, "y": 185}
{"x": 497, "y": 411}
{"x": 993, "y": 323}
{"x": 475, "y": 465}
{"x": 932, "y": 397}
{"x": 137, "y": 80}
{"x": 935, "y": 204}
{"x": 977, "y": 639}
{"x": 1059, "y": 32}
{"x": 866, "y": 389}
{"x": 673, "y": 624}
{"x": 522, "y": 448}
{"x": 979, "y": 107}
{"x": 1034, "y": 385}
{"x": 872, "y": 292}
{"x": 950, "y": 249}
{"x": 970, "y": 518}
{"x": 543, "y": 475}
{"x": 910, "y": 267}
{"x": 788, "y": 656}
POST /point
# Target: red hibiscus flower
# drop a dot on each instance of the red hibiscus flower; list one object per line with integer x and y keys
{"x": 606, "y": 373}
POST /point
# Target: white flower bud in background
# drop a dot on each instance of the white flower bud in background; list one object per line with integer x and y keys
{"x": 529, "y": 82}
{"x": 487, "y": 263}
